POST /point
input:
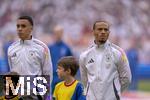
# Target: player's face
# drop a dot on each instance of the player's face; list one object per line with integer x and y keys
{"x": 101, "y": 32}
{"x": 58, "y": 32}
{"x": 24, "y": 29}
{"x": 61, "y": 72}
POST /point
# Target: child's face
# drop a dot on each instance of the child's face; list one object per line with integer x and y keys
{"x": 61, "y": 72}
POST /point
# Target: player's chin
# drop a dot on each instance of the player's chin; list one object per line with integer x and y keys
{"x": 22, "y": 38}
{"x": 102, "y": 41}
{"x": 20, "y": 35}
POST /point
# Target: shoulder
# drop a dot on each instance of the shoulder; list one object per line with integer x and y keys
{"x": 59, "y": 84}
{"x": 79, "y": 84}
{"x": 85, "y": 53}
{"x": 14, "y": 45}
{"x": 117, "y": 50}
{"x": 65, "y": 45}
{"x": 119, "y": 53}
{"x": 40, "y": 44}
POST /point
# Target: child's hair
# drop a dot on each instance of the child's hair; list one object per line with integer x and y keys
{"x": 69, "y": 62}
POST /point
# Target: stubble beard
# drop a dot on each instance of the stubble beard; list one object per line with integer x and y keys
{"x": 100, "y": 42}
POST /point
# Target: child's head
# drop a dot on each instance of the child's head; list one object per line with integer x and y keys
{"x": 68, "y": 64}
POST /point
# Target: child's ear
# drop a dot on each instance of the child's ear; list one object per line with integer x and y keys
{"x": 69, "y": 71}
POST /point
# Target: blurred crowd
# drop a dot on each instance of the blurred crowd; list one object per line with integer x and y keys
{"x": 129, "y": 20}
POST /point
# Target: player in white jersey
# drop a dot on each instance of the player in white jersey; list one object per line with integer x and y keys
{"x": 29, "y": 56}
{"x": 104, "y": 67}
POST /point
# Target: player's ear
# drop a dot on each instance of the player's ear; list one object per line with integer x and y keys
{"x": 31, "y": 27}
{"x": 69, "y": 70}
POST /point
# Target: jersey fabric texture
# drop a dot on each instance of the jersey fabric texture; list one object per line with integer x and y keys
{"x": 30, "y": 57}
{"x": 72, "y": 92}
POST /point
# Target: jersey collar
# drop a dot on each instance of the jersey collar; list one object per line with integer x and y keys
{"x": 27, "y": 42}
{"x": 102, "y": 45}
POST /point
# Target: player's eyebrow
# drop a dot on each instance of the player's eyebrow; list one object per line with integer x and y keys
{"x": 20, "y": 25}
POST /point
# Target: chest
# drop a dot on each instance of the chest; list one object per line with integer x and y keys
{"x": 100, "y": 62}
{"x": 25, "y": 53}
{"x": 66, "y": 93}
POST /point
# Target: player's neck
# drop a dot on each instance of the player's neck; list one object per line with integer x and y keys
{"x": 69, "y": 81}
{"x": 27, "y": 38}
{"x": 100, "y": 43}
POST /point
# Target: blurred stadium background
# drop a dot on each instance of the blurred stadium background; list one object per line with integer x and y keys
{"x": 129, "y": 19}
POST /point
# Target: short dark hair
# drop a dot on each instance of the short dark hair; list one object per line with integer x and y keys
{"x": 98, "y": 22}
{"x": 69, "y": 62}
{"x": 29, "y": 18}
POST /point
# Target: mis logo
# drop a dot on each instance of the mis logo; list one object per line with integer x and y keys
{"x": 26, "y": 85}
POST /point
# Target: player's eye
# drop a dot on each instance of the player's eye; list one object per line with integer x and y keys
{"x": 100, "y": 29}
{"x": 18, "y": 26}
{"x": 21, "y": 25}
{"x": 106, "y": 29}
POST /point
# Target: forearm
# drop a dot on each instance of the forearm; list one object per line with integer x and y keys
{"x": 124, "y": 75}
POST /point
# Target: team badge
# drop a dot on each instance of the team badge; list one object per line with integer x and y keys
{"x": 32, "y": 53}
{"x": 107, "y": 58}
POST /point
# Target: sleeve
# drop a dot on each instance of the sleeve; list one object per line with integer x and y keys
{"x": 47, "y": 64}
{"x": 124, "y": 71}
{"x": 47, "y": 67}
{"x": 80, "y": 92}
{"x": 9, "y": 59}
{"x": 83, "y": 72}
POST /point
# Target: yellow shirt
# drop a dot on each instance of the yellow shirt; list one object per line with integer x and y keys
{"x": 14, "y": 98}
{"x": 63, "y": 92}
